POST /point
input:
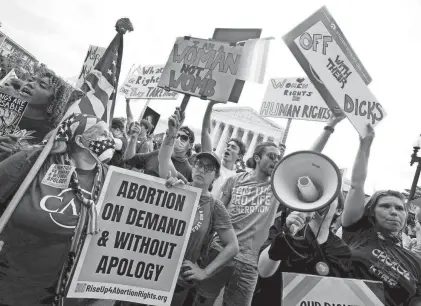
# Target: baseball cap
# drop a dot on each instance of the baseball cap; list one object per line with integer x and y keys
{"x": 212, "y": 156}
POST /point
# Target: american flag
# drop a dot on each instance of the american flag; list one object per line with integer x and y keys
{"x": 100, "y": 85}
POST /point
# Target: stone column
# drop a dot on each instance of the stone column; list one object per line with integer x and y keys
{"x": 252, "y": 146}
{"x": 245, "y": 137}
{"x": 223, "y": 140}
{"x": 214, "y": 135}
{"x": 234, "y": 132}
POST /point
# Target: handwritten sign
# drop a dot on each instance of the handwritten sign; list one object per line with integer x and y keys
{"x": 11, "y": 111}
{"x": 92, "y": 58}
{"x": 294, "y": 98}
{"x": 202, "y": 68}
{"x": 306, "y": 290}
{"x": 334, "y": 69}
{"x": 142, "y": 84}
{"x": 145, "y": 228}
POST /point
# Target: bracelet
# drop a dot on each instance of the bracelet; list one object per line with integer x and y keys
{"x": 329, "y": 128}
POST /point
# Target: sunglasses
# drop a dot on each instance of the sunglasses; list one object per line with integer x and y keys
{"x": 207, "y": 168}
{"x": 183, "y": 138}
{"x": 273, "y": 156}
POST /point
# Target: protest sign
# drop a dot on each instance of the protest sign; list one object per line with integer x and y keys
{"x": 10, "y": 75}
{"x": 233, "y": 36}
{"x": 152, "y": 116}
{"x": 202, "y": 68}
{"x": 11, "y": 111}
{"x": 332, "y": 66}
{"x": 294, "y": 98}
{"x": 145, "y": 228}
{"x": 142, "y": 84}
{"x": 92, "y": 58}
{"x": 312, "y": 290}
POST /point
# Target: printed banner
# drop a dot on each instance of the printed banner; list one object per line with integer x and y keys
{"x": 306, "y": 290}
{"x": 145, "y": 228}
{"x": 11, "y": 111}
{"x": 334, "y": 69}
{"x": 202, "y": 68}
{"x": 153, "y": 117}
{"x": 294, "y": 98}
{"x": 142, "y": 84}
{"x": 92, "y": 58}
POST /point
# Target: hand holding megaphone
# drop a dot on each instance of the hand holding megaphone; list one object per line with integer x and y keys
{"x": 296, "y": 220}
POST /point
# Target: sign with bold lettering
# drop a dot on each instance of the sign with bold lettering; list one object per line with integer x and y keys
{"x": 11, "y": 112}
{"x": 92, "y": 58}
{"x": 145, "y": 228}
{"x": 294, "y": 98}
{"x": 332, "y": 66}
{"x": 142, "y": 84}
{"x": 306, "y": 290}
{"x": 202, "y": 68}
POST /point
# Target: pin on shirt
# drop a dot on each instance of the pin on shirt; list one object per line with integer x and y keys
{"x": 58, "y": 176}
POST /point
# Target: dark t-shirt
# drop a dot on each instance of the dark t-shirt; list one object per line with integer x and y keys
{"x": 336, "y": 254}
{"x": 381, "y": 259}
{"x": 150, "y": 164}
{"x": 39, "y": 127}
{"x": 37, "y": 237}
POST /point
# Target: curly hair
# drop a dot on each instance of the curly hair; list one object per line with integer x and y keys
{"x": 61, "y": 95}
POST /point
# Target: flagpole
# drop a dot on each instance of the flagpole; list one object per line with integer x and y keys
{"x": 184, "y": 103}
{"x": 284, "y": 137}
{"x": 27, "y": 181}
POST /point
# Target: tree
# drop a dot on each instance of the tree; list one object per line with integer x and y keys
{"x": 416, "y": 195}
{"x": 15, "y": 61}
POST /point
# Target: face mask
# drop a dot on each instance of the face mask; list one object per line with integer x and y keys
{"x": 102, "y": 149}
{"x": 179, "y": 146}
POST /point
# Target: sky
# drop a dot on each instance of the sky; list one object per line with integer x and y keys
{"x": 383, "y": 33}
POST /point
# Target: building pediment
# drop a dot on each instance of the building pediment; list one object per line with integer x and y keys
{"x": 244, "y": 113}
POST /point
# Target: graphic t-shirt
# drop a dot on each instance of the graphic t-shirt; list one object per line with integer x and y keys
{"x": 377, "y": 258}
{"x": 252, "y": 209}
{"x": 38, "y": 236}
{"x": 150, "y": 164}
{"x": 225, "y": 174}
{"x": 217, "y": 218}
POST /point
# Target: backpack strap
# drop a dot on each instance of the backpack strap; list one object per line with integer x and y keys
{"x": 210, "y": 234}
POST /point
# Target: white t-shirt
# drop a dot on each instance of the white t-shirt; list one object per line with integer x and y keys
{"x": 217, "y": 185}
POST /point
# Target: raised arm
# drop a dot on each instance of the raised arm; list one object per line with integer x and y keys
{"x": 132, "y": 143}
{"x": 320, "y": 143}
{"x": 207, "y": 128}
{"x": 354, "y": 202}
{"x": 129, "y": 113}
{"x": 164, "y": 156}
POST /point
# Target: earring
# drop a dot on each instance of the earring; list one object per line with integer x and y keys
{"x": 50, "y": 109}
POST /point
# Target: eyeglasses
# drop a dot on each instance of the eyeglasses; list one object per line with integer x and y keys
{"x": 207, "y": 168}
{"x": 183, "y": 138}
{"x": 273, "y": 156}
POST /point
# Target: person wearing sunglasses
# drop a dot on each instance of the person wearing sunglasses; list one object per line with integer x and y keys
{"x": 149, "y": 161}
{"x": 234, "y": 152}
{"x": 374, "y": 233}
{"x": 211, "y": 217}
{"x": 304, "y": 243}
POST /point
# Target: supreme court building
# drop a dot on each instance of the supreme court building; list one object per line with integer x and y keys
{"x": 243, "y": 123}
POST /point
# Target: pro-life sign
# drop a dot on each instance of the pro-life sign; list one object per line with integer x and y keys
{"x": 333, "y": 67}
{"x": 145, "y": 228}
{"x": 294, "y": 98}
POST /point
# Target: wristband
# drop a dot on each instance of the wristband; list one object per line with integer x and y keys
{"x": 329, "y": 128}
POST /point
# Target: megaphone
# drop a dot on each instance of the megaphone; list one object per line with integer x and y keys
{"x": 306, "y": 181}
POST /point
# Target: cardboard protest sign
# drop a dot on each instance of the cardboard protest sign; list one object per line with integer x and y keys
{"x": 145, "y": 228}
{"x": 92, "y": 58}
{"x": 202, "y": 68}
{"x": 152, "y": 116}
{"x": 329, "y": 61}
{"x": 306, "y": 290}
{"x": 294, "y": 98}
{"x": 142, "y": 84}
{"x": 11, "y": 112}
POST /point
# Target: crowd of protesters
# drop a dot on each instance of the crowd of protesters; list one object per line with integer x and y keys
{"x": 247, "y": 238}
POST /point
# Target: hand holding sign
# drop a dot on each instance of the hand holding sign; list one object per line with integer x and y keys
{"x": 9, "y": 143}
{"x": 173, "y": 181}
{"x": 337, "y": 116}
{"x": 192, "y": 272}
{"x": 368, "y": 140}
{"x": 175, "y": 122}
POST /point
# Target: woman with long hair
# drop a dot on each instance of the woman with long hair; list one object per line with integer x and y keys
{"x": 54, "y": 213}
{"x": 374, "y": 234}
{"x": 211, "y": 217}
